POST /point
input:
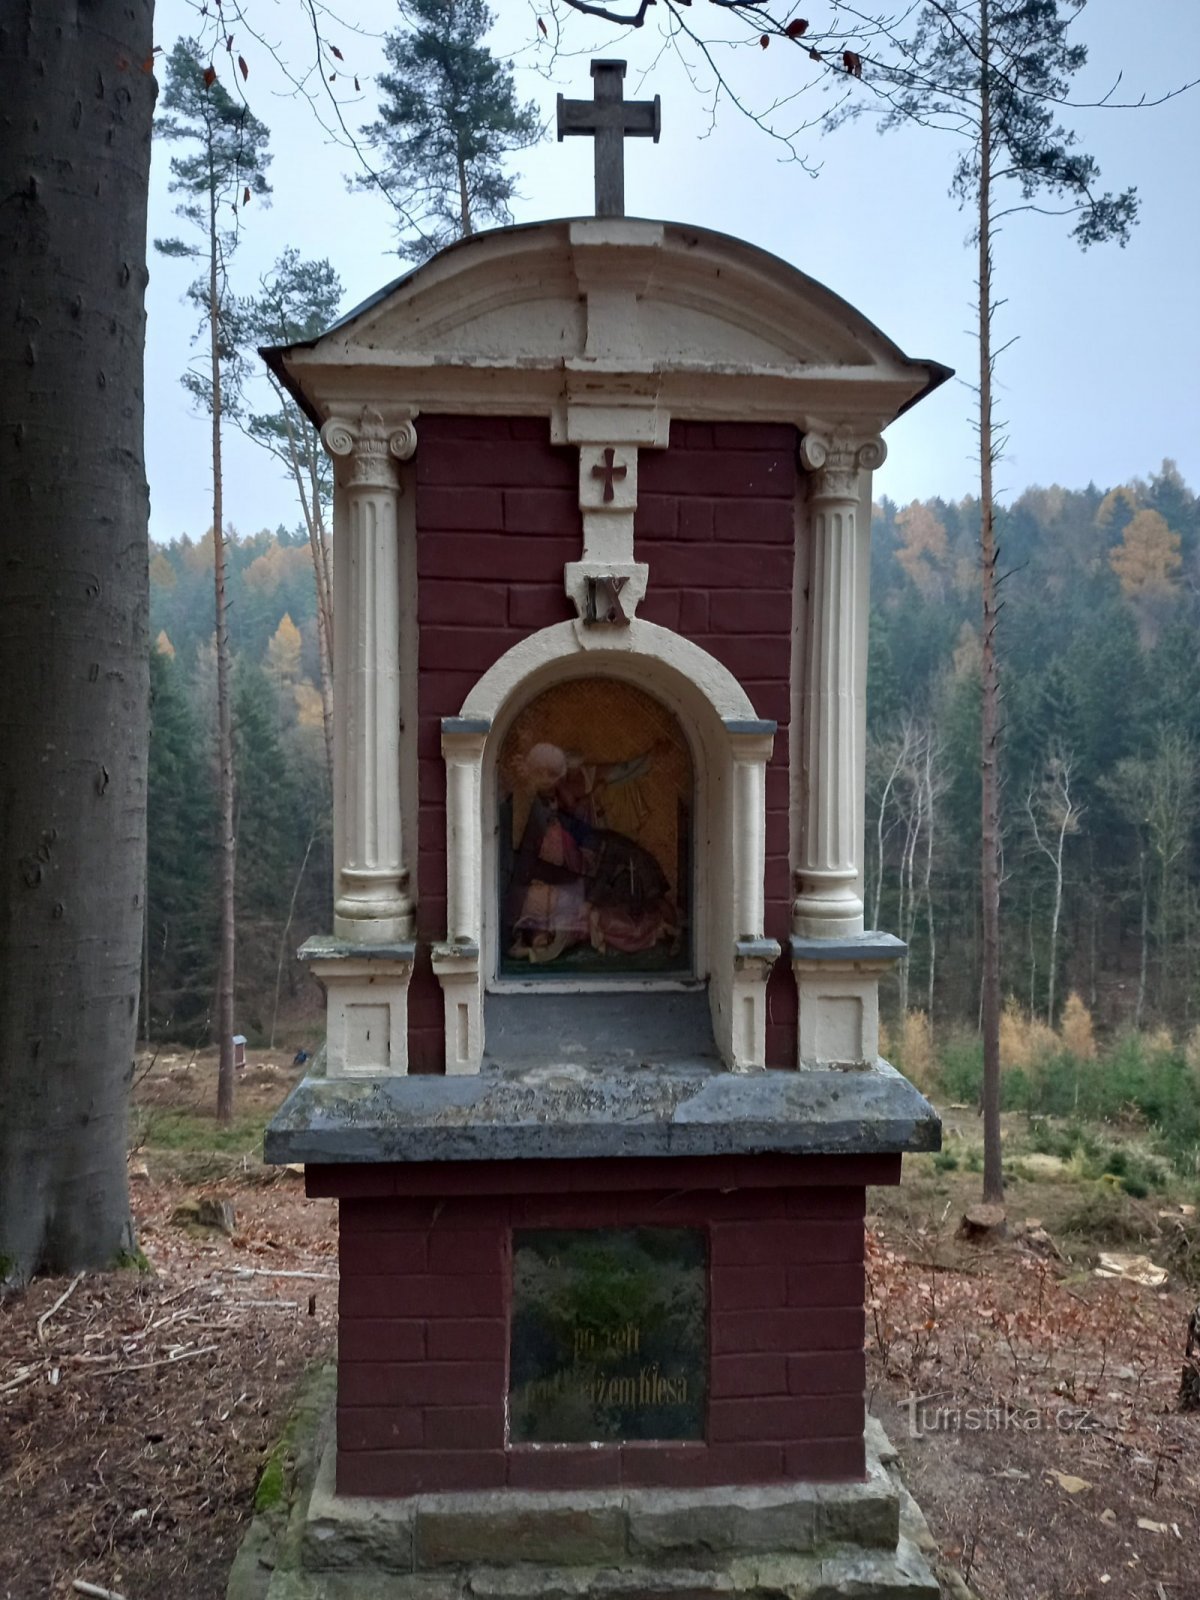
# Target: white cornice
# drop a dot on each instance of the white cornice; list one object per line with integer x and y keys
{"x": 683, "y": 321}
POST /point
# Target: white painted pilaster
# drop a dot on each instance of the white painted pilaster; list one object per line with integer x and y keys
{"x": 827, "y": 903}
{"x": 457, "y": 962}
{"x": 463, "y": 739}
{"x": 750, "y": 746}
{"x": 372, "y": 904}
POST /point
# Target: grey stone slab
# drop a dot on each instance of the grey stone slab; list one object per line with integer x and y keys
{"x": 658, "y": 1027}
{"x": 866, "y": 1514}
{"x": 569, "y": 1111}
{"x": 704, "y": 1524}
{"x": 878, "y": 1443}
{"x": 344, "y": 1531}
{"x": 900, "y": 1574}
{"x": 760, "y": 949}
{"x": 466, "y": 724}
{"x": 324, "y": 947}
{"x": 856, "y": 947}
{"x": 538, "y": 1528}
{"x": 750, "y": 725}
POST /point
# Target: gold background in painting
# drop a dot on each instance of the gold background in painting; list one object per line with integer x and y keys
{"x": 603, "y": 721}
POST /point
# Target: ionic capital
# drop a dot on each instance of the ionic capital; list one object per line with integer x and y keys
{"x": 834, "y": 461}
{"x": 369, "y": 448}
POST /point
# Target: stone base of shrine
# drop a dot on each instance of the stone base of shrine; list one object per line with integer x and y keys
{"x": 795, "y": 1541}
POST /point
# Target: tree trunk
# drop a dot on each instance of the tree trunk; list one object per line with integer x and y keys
{"x": 993, "y": 1177}
{"x": 464, "y": 199}
{"x": 1054, "y": 922}
{"x": 73, "y": 602}
{"x": 1139, "y": 1009}
{"x": 228, "y": 847}
{"x": 927, "y": 886}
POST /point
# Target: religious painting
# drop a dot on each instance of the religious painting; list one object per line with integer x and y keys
{"x": 609, "y": 1335}
{"x": 595, "y": 792}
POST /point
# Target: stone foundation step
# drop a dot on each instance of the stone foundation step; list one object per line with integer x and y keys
{"x": 846, "y": 1574}
{"x": 694, "y": 1528}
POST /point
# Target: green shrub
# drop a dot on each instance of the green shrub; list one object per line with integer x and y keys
{"x": 1136, "y": 1080}
{"x": 960, "y": 1070}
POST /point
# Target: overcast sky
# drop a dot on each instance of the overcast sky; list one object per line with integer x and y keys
{"x": 1101, "y": 385}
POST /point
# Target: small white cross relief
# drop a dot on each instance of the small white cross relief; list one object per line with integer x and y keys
{"x": 607, "y": 584}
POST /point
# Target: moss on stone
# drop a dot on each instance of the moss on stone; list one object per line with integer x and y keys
{"x": 272, "y": 1486}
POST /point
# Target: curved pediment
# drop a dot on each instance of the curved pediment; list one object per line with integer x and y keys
{"x": 614, "y": 304}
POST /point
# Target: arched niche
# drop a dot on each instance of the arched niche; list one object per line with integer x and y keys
{"x": 713, "y": 760}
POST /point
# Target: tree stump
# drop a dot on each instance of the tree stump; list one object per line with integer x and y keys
{"x": 983, "y": 1222}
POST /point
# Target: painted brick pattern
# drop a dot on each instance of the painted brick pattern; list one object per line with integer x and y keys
{"x": 497, "y": 519}
{"x": 423, "y": 1343}
{"x": 716, "y": 522}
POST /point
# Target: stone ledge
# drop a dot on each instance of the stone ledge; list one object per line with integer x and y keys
{"x": 576, "y": 1113}
{"x": 740, "y": 1543}
{"x": 902, "y": 1574}
{"x": 324, "y": 947}
{"x": 870, "y": 947}
{"x": 696, "y": 1528}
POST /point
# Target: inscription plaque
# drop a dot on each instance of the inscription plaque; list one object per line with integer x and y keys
{"x": 609, "y": 1335}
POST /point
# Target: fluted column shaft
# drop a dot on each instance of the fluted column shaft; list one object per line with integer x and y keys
{"x": 372, "y": 904}
{"x": 827, "y": 904}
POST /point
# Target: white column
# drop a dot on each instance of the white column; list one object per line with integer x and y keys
{"x": 372, "y": 904}
{"x": 827, "y": 905}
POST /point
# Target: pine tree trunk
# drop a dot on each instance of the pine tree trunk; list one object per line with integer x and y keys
{"x": 77, "y": 112}
{"x": 464, "y": 200}
{"x": 993, "y": 1177}
{"x": 228, "y": 850}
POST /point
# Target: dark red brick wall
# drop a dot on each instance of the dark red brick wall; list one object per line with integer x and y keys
{"x": 498, "y": 517}
{"x": 716, "y": 522}
{"x": 423, "y": 1319}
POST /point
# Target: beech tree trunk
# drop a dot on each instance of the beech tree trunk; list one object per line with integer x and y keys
{"x": 993, "y": 1176}
{"x": 76, "y": 109}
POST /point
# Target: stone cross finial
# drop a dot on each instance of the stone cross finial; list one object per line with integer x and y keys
{"x": 610, "y": 119}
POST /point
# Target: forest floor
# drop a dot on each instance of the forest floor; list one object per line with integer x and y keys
{"x": 1032, "y": 1401}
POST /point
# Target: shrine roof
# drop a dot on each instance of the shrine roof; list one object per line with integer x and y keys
{"x": 568, "y": 1111}
{"x": 518, "y": 319}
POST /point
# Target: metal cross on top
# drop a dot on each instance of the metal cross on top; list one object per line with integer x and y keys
{"x": 611, "y": 119}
